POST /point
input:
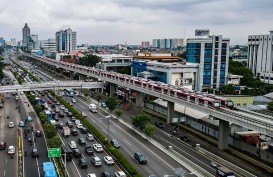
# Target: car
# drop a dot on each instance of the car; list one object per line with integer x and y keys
{"x": 56, "y": 118}
{"x": 184, "y": 138}
{"x": 66, "y": 110}
{"x": 160, "y": 125}
{"x": 53, "y": 106}
{"x": 214, "y": 164}
{"x": 108, "y": 160}
{"x": 73, "y": 100}
{"x": 38, "y": 133}
{"x": 84, "y": 130}
{"x": 81, "y": 141}
{"x": 57, "y": 103}
{"x": 96, "y": 161}
{"x": 2, "y": 145}
{"x": 34, "y": 153}
{"x": 140, "y": 158}
{"x": 115, "y": 143}
{"x": 72, "y": 144}
{"x": 70, "y": 103}
{"x": 61, "y": 114}
{"x": 82, "y": 163}
{"x": 49, "y": 102}
{"x": 120, "y": 174}
{"x": 69, "y": 124}
{"x": 73, "y": 119}
{"x": 77, "y": 122}
{"x": 60, "y": 125}
{"x": 57, "y": 110}
{"x": 21, "y": 93}
{"x": 84, "y": 115}
{"x": 91, "y": 175}
{"x": 103, "y": 105}
{"x": 11, "y": 150}
{"x": 88, "y": 150}
{"x": 79, "y": 126}
{"x": 1, "y": 105}
{"x": 17, "y": 98}
{"x": 21, "y": 124}
{"x": 77, "y": 153}
{"x": 106, "y": 174}
{"x": 69, "y": 114}
{"x": 98, "y": 147}
{"x": 74, "y": 132}
{"x": 62, "y": 107}
{"x": 29, "y": 118}
{"x": 89, "y": 137}
{"x": 11, "y": 124}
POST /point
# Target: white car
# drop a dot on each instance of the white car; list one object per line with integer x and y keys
{"x": 11, "y": 150}
{"x": 74, "y": 100}
{"x": 79, "y": 126}
{"x": 98, "y": 147}
{"x": 62, "y": 107}
{"x": 77, "y": 122}
{"x": 89, "y": 137}
{"x": 72, "y": 144}
{"x": 91, "y": 175}
{"x": 11, "y": 124}
{"x": 120, "y": 174}
{"x": 17, "y": 98}
{"x": 108, "y": 160}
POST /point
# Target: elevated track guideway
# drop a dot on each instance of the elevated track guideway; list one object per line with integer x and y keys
{"x": 255, "y": 122}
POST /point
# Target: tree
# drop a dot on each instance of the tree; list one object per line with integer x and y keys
{"x": 55, "y": 142}
{"x": 38, "y": 108}
{"x": 182, "y": 55}
{"x": 89, "y": 60}
{"x": 50, "y": 130}
{"x": 149, "y": 129}
{"x": 31, "y": 99}
{"x": 43, "y": 117}
{"x": 270, "y": 106}
{"x": 125, "y": 70}
{"x": 111, "y": 103}
{"x": 140, "y": 121}
{"x": 227, "y": 89}
{"x": 118, "y": 112}
{"x": 98, "y": 97}
{"x": 1, "y": 50}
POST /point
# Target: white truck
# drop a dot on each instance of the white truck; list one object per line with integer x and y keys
{"x": 93, "y": 107}
{"x": 66, "y": 131}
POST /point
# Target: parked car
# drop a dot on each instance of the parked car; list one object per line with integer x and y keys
{"x": 140, "y": 158}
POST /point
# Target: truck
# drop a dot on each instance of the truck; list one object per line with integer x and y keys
{"x": 66, "y": 131}
{"x": 93, "y": 107}
{"x": 224, "y": 172}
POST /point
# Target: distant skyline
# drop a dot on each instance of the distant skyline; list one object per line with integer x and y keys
{"x": 116, "y": 21}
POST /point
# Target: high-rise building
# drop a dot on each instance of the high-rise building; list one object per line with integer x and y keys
{"x": 145, "y": 44}
{"x": 2, "y": 42}
{"x": 168, "y": 43}
{"x": 49, "y": 46}
{"x": 66, "y": 41}
{"x": 13, "y": 41}
{"x": 211, "y": 52}
{"x": 26, "y": 33}
{"x": 260, "y": 55}
{"x": 33, "y": 42}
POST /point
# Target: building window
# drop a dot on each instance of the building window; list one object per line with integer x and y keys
{"x": 222, "y": 80}
{"x": 216, "y": 38}
{"x": 222, "y": 73}
{"x": 223, "y": 66}
{"x": 206, "y": 81}
{"x": 208, "y": 45}
{"x": 224, "y": 45}
{"x": 207, "y": 66}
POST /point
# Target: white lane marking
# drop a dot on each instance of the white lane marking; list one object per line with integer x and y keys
{"x": 76, "y": 168}
{"x": 5, "y": 173}
{"x": 6, "y": 160}
{"x": 37, "y": 163}
{"x": 126, "y": 142}
{"x": 113, "y": 130}
{"x": 104, "y": 131}
{"x": 33, "y": 140}
{"x": 185, "y": 152}
{"x": 82, "y": 107}
{"x": 83, "y": 156}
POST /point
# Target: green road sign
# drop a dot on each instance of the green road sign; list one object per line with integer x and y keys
{"x": 54, "y": 152}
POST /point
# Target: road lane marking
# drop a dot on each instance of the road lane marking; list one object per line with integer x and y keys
{"x": 6, "y": 160}
{"x": 113, "y": 130}
{"x": 5, "y": 173}
{"x": 126, "y": 142}
{"x": 76, "y": 168}
{"x": 104, "y": 131}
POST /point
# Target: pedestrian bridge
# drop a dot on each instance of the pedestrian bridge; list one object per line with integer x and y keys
{"x": 51, "y": 85}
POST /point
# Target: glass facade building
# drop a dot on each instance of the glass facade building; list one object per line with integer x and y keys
{"x": 212, "y": 55}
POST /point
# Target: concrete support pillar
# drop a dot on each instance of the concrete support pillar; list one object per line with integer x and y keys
{"x": 223, "y": 135}
{"x": 61, "y": 71}
{"x": 71, "y": 75}
{"x": 170, "y": 107}
{"x": 139, "y": 99}
{"x": 80, "y": 77}
{"x": 112, "y": 89}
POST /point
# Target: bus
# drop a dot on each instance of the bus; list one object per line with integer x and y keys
{"x": 49, "y": 169}
{"x": 48, "y": 114}
{"x": 69, "y": 92}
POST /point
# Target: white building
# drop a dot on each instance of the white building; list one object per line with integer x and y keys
{"x": 260, "y": 56}
{"x": 49, "y": 45}
{"x": 13, "y": 41}
{"x": 113, "y": 62}
{"x": 66, "y": 41}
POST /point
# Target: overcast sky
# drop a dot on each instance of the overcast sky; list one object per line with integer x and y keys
{"x": 133, "y": 21}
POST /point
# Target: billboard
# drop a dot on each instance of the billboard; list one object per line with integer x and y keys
{"x": 202, "y": 32}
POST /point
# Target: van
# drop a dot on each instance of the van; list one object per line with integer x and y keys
{"x": 93, "y": 107}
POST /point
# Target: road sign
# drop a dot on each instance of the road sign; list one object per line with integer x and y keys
{"x": 54, "y": 152}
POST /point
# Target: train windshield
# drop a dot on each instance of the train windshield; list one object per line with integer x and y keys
{"x": 230, "y": 103}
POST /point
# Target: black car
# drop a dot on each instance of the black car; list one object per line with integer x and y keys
{"x": 89, "y": 150}
{"x": 81, "y": 141}
{"x": 56, "y": 118}
{"x": 2, "y": 145}
{"x": 105, "y": 174}
{"x": 69, "y": 114}
{"x": 83, "y": 163}
{"x": 69, "y": 124}
{"x": 140, "y": 158}
{"x": 34, "y": 153}
{"x": 74, "y": 132}
{"x": 60, "y": 125}
{"x": 53, "y": 114}
{"x": 115, "y": 143}
{"x": 73, "y": 119}
{"x": 184, "y": 138}
{"x": 77, "y": 153}
{"x": 38, "y": 133}
{"x": 84, "y": 130}
{"x": 159, "y": 125}
{"x": 61, "y": 114}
